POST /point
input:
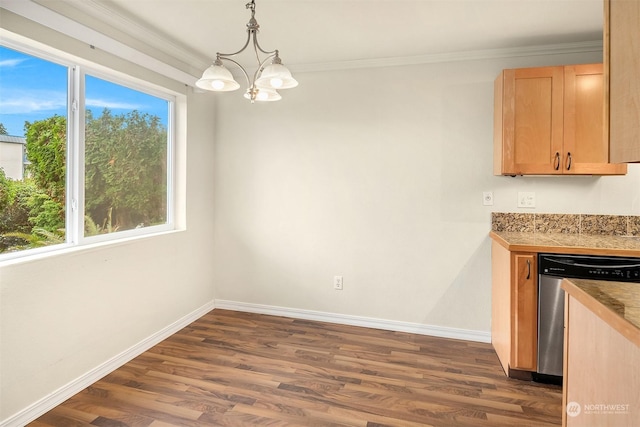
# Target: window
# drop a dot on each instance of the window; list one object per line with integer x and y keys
{"x": 125, "y": 158}
{"x": 98, "y": 155}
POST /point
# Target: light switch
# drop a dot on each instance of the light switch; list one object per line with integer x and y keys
{"x": 526, "y": 199}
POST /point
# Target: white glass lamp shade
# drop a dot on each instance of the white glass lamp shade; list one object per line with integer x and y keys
{"x": 265, "y": 94}
{"x": 217, "y": 78}
{"x": 276, "y": 76}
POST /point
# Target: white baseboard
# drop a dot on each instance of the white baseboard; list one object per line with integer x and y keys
{"x": 63, "y": 393}
{"x": 367, "y": 322}
{"x": 57, "y": 397}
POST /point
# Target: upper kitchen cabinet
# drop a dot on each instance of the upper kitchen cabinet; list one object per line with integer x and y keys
{"x": 622, "y": 61}
{"x": 550, "y": 121}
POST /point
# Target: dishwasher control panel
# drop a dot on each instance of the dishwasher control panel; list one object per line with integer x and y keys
{"x": 620, "y": 269}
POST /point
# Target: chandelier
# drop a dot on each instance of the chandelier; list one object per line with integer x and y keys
{"x": 265, "y": 82}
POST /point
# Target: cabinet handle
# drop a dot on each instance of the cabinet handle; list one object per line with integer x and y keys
{"x": 528, "y": 269}
{"x": 557, "y": 161}
{"x": 569, "y": 161}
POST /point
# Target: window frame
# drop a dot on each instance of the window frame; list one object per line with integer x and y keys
{"x": 77, "y": 69}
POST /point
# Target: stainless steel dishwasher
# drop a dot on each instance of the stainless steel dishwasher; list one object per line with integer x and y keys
{"x": 552, "y": 269}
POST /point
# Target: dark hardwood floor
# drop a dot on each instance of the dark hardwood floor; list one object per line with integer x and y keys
{"x": 240, "y": 369}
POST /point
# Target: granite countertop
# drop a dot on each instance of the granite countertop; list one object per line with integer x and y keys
{"x": 564, "y": 243}
{"x": 616, "y": 303}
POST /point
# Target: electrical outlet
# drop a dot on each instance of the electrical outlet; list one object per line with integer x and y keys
{"x": 337, "y": 283}
{"x": 487, "y": 198}
{"x": 526, "y": 199}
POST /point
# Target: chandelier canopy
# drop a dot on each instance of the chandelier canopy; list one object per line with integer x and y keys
{"x": 265, "y": 82}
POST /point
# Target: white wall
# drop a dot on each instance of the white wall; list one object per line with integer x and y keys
{"x": 377, "y": 175}
{"x": 380, "y": 185}
{"x": 64, "y": 315}
{"x": 12, "y": 159}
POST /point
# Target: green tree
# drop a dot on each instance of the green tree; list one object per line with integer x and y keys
{"x": 46, "y": 150}
{"x": 45, "y": 213}
{"x": 33, "y": 208}
{"x": 125, "y": 169}
{"x": 14, "y": 210}
{"x": 3, "y": 130}
{"x": 5, "y": 191}
{"x": 125, "y": 179}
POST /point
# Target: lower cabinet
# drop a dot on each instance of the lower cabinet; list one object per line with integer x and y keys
{"x": 514, "y": 309}
{"x": 601, "y": 371}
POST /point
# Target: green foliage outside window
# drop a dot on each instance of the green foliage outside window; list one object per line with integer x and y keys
{"x": 125, "y": 170}
{"x": 125, "y": 179}
{"x": 46, "y": 150}
{"x": 15, "y": 212}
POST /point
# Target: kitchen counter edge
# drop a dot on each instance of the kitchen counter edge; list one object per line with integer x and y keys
{"x": 603, "y": 307}
{"x": 567, "y": 243}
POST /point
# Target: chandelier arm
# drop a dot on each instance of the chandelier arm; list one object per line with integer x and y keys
{"x": 246, "y": 76}
{"x": 255, "y": 50}
{"x": 257, "y": 45}
{"x": 240, "y": 51}
{"x": 261, "y": 65}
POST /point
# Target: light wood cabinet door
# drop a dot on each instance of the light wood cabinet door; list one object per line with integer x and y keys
{"x": 551, "y": 121}
{"x": 529, "y": 103}
{"x": 514, "y": 309}
{"x": 600, "y": 367}
{"x": 501, "y": 303}
{"x": 585, "y": 145}
{"x": 524, "y": 331}
{"x": 622, "y": 62}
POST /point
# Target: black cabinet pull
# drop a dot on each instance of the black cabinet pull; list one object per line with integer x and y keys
{"x": 528, "y": 269}
{"x": 569, "y": 161}
{"x": 557, "y": 161}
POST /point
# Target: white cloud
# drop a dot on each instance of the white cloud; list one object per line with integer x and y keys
{"x": 33, "y": 101}
{"x": 11, "y": 62}
{"x": 36, "y": 101}
{"x": 115, "y": 105}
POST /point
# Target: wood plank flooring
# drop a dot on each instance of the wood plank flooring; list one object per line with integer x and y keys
{"x": 240, "y": 369}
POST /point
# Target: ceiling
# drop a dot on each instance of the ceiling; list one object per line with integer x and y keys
{"x": 337, "y": 31}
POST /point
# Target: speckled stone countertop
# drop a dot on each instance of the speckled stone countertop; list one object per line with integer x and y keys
{"x": 569, "y": 243}
{"x": 616, "y": 303}
{"x": 568, "y": 233}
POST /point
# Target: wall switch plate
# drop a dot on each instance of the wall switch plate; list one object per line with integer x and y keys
{"x": 337, "y": 283}
{"x": 487, "y": 198}
{"x": 526, "y": 199}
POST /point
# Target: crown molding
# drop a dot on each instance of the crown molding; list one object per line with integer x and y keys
{"x": 103, "y": 11}
{"x": 125, "y": 37}
{"x": 75, "y": 30}
{"x": 477, "y": 55}
{"x": 116, "y": 24}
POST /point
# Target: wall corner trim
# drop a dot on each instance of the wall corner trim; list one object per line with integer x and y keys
{"x": 55, "y": 398}
{"x": 367, "y": 322}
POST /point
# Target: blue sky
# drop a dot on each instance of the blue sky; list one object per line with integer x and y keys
{"x": 33, "y": 89}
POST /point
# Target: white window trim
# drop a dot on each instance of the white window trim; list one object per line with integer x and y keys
{"x": 74, "y": 210}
